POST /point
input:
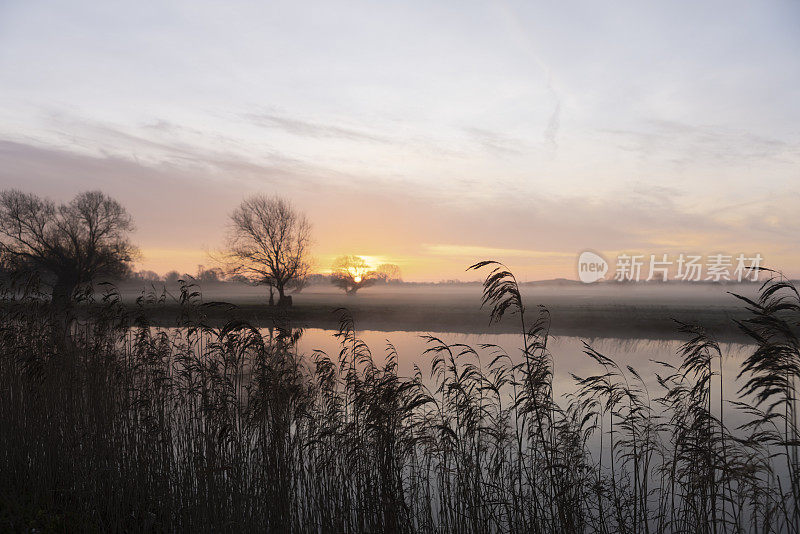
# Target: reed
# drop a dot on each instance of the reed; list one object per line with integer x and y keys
{"x": 130, "y": 427}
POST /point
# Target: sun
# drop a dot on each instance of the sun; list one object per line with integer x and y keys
{"x": 357, "y": 273}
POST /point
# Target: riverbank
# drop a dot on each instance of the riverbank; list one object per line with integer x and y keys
{"x": 574, "y": 311}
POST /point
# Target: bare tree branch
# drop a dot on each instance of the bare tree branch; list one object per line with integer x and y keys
{"x": 66, "y": 245}
{"x": 268, "y": 243}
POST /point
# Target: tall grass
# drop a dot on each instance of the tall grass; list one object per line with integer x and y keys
{"x": 129, "y": 427}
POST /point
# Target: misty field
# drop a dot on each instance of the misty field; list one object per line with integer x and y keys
{"x": 587, "y": 311}
{"x": 130, "y": 422}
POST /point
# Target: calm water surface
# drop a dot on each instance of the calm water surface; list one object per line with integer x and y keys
{"x": 568, "y": 356}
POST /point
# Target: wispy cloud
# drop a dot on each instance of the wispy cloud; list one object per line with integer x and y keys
{"x": 690, "y": 144}
{"x": 496, "y": 143}
{"x": 313, "y": 129}
{"x": 553, "y": 126}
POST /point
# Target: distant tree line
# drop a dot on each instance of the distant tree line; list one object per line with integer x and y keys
{"x": 207, "y": 276}
{"x": 217, "y": 275}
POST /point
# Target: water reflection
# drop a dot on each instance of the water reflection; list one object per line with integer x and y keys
{"x": 646, "y": 356}
{"x": 649, "y": 357}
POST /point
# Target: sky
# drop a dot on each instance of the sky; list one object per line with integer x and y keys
{"x": 426, "y": 134}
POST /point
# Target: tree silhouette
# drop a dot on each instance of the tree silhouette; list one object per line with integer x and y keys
{"x": 268, "y": 242}
{"x": 66, "y": 245}
{"x": 388, "y": 273}
{"x": 172, "y": 277}
{"x": 352, "y": 273}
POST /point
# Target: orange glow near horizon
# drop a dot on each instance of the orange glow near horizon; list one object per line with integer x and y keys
{"x": 433, "y": 263}
{"x": 426, "y": 266}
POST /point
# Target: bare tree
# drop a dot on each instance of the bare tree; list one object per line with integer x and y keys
{"x": 352, "y": 273}
{"x": 68, "y": 244}
{"x": 268, "y": 242}
{"x": 388, "y": 273}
